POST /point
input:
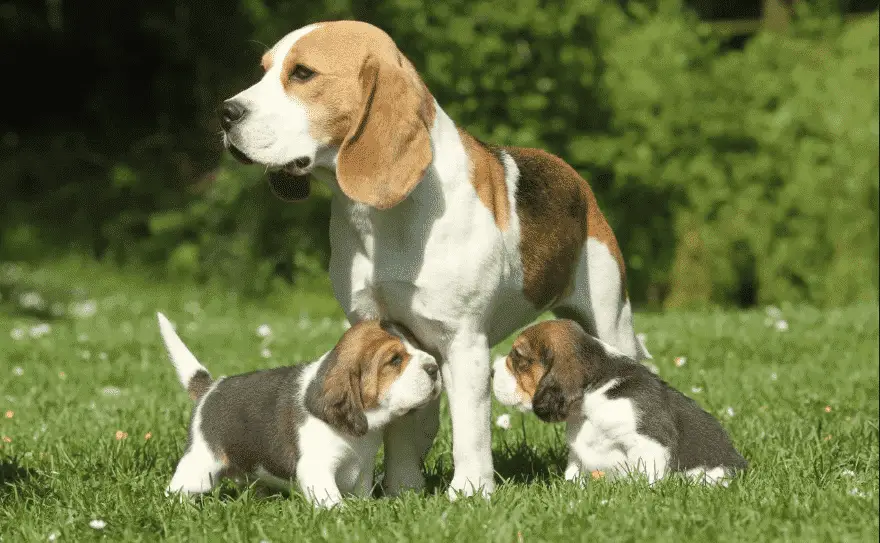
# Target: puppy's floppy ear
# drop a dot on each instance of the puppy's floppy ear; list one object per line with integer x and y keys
{"x": 549, "y": 402}
{"x": 335, "y": 396}
{"x": 388, "y": 149}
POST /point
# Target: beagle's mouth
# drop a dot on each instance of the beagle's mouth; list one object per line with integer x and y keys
{"x": 290, "y": 182}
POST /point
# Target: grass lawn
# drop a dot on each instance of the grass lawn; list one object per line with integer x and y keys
{"x": 93, "y": 421}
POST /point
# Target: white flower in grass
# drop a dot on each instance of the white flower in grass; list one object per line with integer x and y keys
{"x": 31, "y": 300}
{"x": 730, "y": 411}
{"x": 266, "y": 353}
{"x": 97, "y": 524}
{"x": 848, "y": 473}
{"x": 696, "y": 390}
{"x": 17, "y": 334}
{"x": 857, "y": 493}
{"x": 680, "y": 361}
{"x": 18, "y": 370}
{"x": 781, "y": 325}
{"x": 102, "y": 355}
{"x": 82, "y": 338}
{"x": 773, "y": 312}
{"x": 503, "y": 421}
{"x": 53, "y": 536}
{"x": 773, "y": 376}
{"x": 110, "y": 391}
{"x": 603, "y": 502}
{"x": 264, "y": 330}
{"x": 40, "y": 330}
{"x": 84, "y": 310}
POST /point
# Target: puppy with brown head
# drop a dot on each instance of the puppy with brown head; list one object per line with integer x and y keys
{"x": 621, "y": 417}
{"x": 319, "y": 423}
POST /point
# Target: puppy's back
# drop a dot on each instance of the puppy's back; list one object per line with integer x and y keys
{"x": 694, "y": 437}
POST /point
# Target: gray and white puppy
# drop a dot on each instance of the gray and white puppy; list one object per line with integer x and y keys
{"x": 318, "y": 424}
{"x": 621, "y": 418}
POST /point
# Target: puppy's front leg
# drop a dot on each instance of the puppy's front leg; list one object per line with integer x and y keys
{"x": 573, "y": 469}
{"x": 466, "y": 376}
{"x": 319, "y": 486}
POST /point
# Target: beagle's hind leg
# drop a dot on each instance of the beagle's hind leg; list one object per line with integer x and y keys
{"x": 197, "y": 472}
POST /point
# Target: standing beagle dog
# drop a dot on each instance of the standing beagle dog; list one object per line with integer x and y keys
{"x": 461, "y": 241}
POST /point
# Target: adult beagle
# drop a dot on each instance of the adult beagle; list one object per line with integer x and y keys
{"x": 621, "y": 418}
{"x": 461, "y": 241}
{"x": 319, "y": 424}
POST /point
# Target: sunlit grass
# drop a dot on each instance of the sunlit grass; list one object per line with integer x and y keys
{"x": 92, "y": 421}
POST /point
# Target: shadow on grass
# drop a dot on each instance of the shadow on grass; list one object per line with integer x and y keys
{"x": 14, "y": 478}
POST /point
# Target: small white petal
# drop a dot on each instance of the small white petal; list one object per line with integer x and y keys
{"x": 40, "y": 330}
{"x": 781, "y": 325}
{"x": 773, "y": 312}
{"x": 17, "y": 334}
{"x": 266, "y": 353}
{"x": 696, "y": 390}
{"x": 264, "y": 330}
{"x": 773, "y": 376}
{"x": 97, "y": 524}
{"x": 53, "y": 536}
{"x": 848, "y": 473}
{"x": 84, "y": 310}
{"x": 730, "y": 411}
{"x": 18, "y": 370}
{"x": 110, "y": 391}
{"x": 680, "y": 361}
{"x": 503, "y": 421}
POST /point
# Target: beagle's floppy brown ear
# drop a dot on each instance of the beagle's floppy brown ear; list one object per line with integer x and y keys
{"x": 335, "y": 396}
{"x": 388, "y": 148}
{"x": 549, "y": 402}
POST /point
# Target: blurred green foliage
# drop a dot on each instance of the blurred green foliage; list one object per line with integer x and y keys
{"x": 730, "y": 176}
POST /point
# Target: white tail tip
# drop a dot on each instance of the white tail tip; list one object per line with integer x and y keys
{"x": 184, "y": 361}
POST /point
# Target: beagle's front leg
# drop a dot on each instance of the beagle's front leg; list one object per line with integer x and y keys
{"x": 318, "y": 484}
{"x": 466, "y": 376}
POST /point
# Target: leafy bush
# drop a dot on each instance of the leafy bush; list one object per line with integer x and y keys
{"x": 730, "y": 177}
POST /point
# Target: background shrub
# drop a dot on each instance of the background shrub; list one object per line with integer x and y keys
{"x": 731, "y": 176}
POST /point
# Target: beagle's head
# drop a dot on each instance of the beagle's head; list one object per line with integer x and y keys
{"x": 375, "y": 373}
{"x": 548, "y": 368}
{"x": 341, "y": 96}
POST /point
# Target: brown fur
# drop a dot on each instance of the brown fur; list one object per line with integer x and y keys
{"x": 357, "y": 374}
{"x": 487, "y": 176}
{"x": 367, "y": 98}
{"x": 557, "y": 212}
{"x": 548, "y": 367}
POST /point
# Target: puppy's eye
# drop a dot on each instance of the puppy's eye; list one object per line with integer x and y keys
{"x": 301, "y": 73}
{"x": 396, "y": 360}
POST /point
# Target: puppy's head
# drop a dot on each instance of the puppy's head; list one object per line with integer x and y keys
{"x": 547, "y": 369}
{"x": 341, "y": 96}
{"x": 375, "y": 366}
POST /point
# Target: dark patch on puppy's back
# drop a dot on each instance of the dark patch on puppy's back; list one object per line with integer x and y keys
{"x": 695, "y": 438}
{"x": 252, "y": 420}
{"x": 199, "y": 385}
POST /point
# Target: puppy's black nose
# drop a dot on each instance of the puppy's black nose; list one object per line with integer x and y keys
{"x": 230, "y": 113}
{"x": 431, "y": 370}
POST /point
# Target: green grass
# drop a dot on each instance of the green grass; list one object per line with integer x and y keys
{"x": 813, "y": 477}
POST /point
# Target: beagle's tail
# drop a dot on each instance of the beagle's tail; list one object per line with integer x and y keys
{"x": 193, "y": 376}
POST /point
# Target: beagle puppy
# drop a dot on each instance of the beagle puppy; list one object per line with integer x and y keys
{"x": 319, "y": 423}
{"x": 621, "y": 418}
{"x": 461, "y": 241}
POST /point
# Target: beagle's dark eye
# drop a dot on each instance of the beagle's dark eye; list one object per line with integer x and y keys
{"x": 396, "y": 360}
{"x": 301, "y": 73}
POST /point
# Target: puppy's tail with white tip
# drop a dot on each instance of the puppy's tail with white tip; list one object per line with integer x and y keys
{"x": 193, "y": 376}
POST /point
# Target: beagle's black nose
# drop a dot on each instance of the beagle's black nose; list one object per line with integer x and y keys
{"x": 230, "y": 113}
{"x": 431, "y": 370}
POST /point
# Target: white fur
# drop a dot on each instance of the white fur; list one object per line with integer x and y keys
{"x": 504, "y": 387}
{"x": 437, "y": 263}
{"x": 184, "y": 361}
{"x": 275, "y": 129}
{"x": 332, "y": 463}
